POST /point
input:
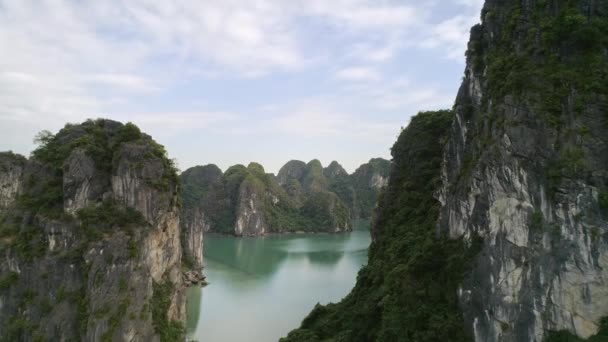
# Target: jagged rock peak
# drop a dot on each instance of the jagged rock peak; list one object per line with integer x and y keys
{"x": 373, "y": 174}
{"x": 208, "y": 172}
{"x": 293, "y": 169}
{"x": 334, "y": 169}
{"x": 256, "y": 167}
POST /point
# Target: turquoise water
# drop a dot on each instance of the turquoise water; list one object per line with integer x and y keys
{"x": 261, "y": 288}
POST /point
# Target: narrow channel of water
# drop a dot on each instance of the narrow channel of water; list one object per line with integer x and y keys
{"x": 261, "y": 288}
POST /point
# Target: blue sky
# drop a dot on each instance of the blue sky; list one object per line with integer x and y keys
{"x": 233, "y": 81}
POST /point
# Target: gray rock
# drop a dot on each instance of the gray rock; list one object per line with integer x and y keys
{"x": 544, "y": 262}
{"x": 11, "y": 171}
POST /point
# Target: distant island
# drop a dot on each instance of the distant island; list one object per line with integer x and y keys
{"x": 302, "y": 197}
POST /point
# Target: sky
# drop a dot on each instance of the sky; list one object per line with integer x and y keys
{"x": 233, "y": 81}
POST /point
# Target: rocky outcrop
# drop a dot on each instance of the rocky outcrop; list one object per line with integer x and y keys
{"x": 193, "y": 226}
{"x": 92, "y": 249}
{"x": 81, "y": 183}
{"x": 250, "y": 211}
{"x": 11, "y": 171}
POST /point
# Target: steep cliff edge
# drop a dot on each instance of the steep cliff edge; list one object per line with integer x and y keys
{"x": 516, "y": 249}
{"x": 11, "y": 171}
{"x": 526, "y": 168}
{"x": 91, "y": 245}
{"x": 196, "y": 183}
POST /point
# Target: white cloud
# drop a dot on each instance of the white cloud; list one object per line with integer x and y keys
{"x": 123, "y": 81}
{"x": 475, "y": 4}
{"x": 66, "y": 50}
{"x": 399, "y": 93}
{"x": 418, "y": 99}
{"x": 167, "y": 123}
{"x": 361, "y": 74}
{"x": 42, "y": 98}
{"x": 375, "y": 52}
{"x": 310, "y": 122}
{"x": 364, "y": 14}
{"x": 323, "y": 120}
{"x": 451, "y": 36}
{"x": 64, "y": 61}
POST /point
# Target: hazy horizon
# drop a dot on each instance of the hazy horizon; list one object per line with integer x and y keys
{"x": 229, "y": 82}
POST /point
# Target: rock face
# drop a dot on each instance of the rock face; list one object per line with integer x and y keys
{"x": 526, "y": 168}
{"x": 92, "y": 248}
{"x": 250, "y": 217}
{"x": 11, "y": 171}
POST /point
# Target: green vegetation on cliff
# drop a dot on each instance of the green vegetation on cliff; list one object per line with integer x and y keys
{"x": 100, "y": 140}
{"x": 168, "y": 330}
{"x": 551, "y": 57}
{"x": 197, "y": 182}
{"x": 407, "y": 292}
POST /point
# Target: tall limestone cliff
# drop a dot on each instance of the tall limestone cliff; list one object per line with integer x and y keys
{"x": 91, "y": 243}
{"x": 526, "y": 169}
{"x": 196, "y": 183}
{"x": 494, "y": 227}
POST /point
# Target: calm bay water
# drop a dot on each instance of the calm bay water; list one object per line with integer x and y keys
{"x": 261, "y": 288}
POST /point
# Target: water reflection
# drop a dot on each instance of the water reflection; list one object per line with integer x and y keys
{"x": 327, "y": 259}
{"x": 193, "y": 308}
{"x": 260, "y": 288}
